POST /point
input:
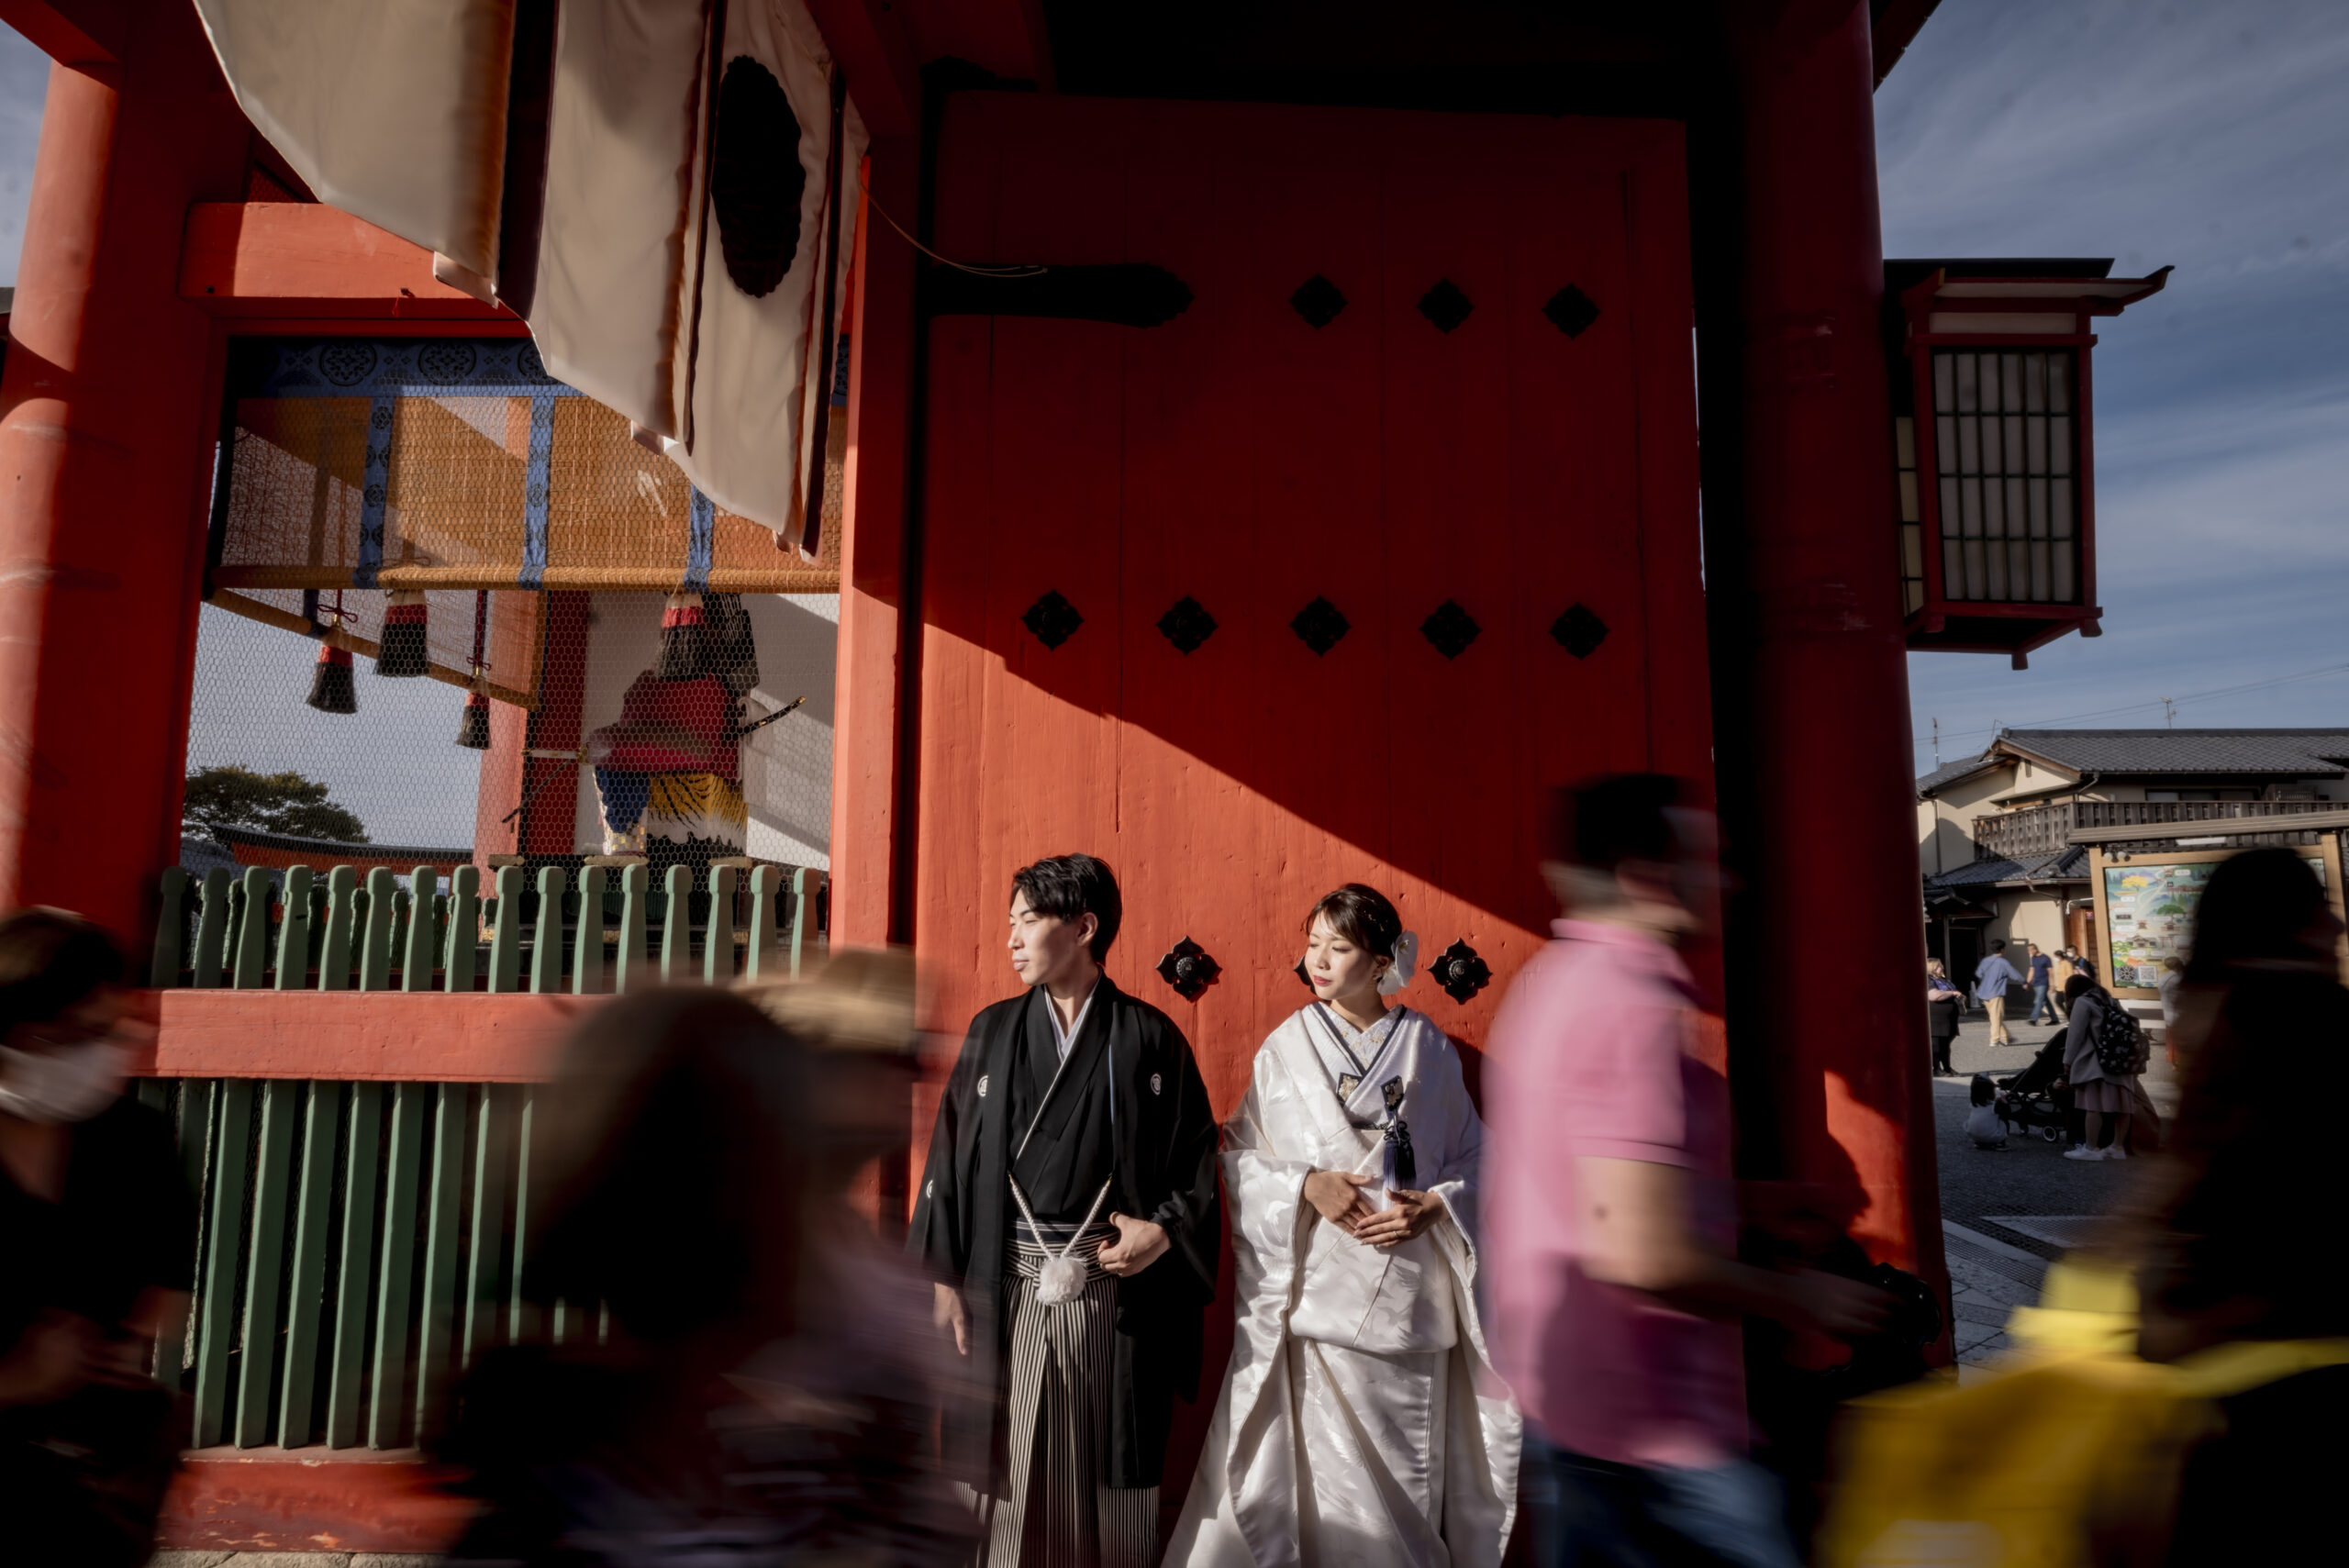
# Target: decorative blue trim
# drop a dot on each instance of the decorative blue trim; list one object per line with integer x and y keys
{"x": 536, "y": 476}
{"x": 402, "y": 367}
{"x": 701, "y": 537}
{"x": 375, "y": 484}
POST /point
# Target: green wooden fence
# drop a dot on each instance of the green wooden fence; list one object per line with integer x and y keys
{"x": 359, "y": 1242}
{"x": 582, "y": 931}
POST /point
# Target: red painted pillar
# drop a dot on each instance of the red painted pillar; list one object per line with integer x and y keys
{"x": 105, "y": 467}
{"x": 549, "y": 823}
{"x": 867, "y": 907}
{"x": 1824, "y": 945}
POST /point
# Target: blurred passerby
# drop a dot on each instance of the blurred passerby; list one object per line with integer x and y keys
{"x": 2041, "y": 973}
{"x": 843, "y": 1454}
{"x": 97, "y": 1246}
{"x": 2103, "y": 1087}
{"x": 1991, "y": 978}
{"x": 1615, "y": 1284}
{"x": 1944, "y": 1009}
{"x": 2222, "y": 1440}
{"x": 2240, "y": 1254}
{"x": 676, "y": 1152}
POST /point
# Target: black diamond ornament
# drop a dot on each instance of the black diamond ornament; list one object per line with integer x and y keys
{"x": 1052, "y": 619}
{"x": 1445, "y": 305}
{"x": 1460, "y": 971}
{"x": 1450, "y": 629}
{"x": 1579, "y": 632}
{"x": 1571, "y": 311}
{"x": 1186, "y": 625}
{"x": 1320, "y": 624}
{"x": 1188, "y": 969}
{"x": 1317, "y": 300}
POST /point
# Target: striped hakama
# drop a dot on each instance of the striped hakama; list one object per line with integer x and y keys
{"x": 1051, "y": 1511}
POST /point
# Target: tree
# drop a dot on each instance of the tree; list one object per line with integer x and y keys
{"x": 231, "y": 796}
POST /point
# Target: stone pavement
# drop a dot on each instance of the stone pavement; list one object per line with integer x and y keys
{"x": 1994, "y": 1266}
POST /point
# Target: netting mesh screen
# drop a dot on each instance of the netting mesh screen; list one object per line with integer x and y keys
{"x": 441, "y": 508}
{"x": 645, "y": 742}
{"x": 456, "y": 462}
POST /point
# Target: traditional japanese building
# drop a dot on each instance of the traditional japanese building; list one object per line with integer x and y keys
{"x": 1265, "y": 453}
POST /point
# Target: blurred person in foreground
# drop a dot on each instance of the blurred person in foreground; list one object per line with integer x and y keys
{"x": 850, "y": 1399}
{"x": 690, "y": 1178}
{"x": 1617, "y": 1292}
{"x": 2240, "y": 1248}
{"x": 97, "y": 1246}
{"x": 1069, "y": 1217}
{"x": 2223, "y": 1437}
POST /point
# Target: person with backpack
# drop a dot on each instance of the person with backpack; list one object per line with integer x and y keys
{"x": 2104, "y": 1050}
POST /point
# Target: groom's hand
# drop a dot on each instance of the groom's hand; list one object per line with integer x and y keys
{"x": 1139, "y": 1243}
{"x": 948, "y": 1311}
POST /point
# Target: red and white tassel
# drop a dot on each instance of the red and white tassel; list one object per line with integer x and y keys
{"x": 684, "y": 653}
{"x": 403, "y": 649}
{"x": 332, "y": 690}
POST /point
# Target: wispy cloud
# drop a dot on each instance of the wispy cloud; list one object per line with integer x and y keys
{"x": 2212, "y": 137}
{"x": 24, "y": 86}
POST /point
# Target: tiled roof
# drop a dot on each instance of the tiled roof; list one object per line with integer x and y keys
{"x": 2298, "y": 753}
{"x": 2287, "y": 754}
{"x": 1950, "y": 772}
{"x": 2065, "y": 865}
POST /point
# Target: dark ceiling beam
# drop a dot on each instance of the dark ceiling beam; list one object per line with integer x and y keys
{"x": 71, "y": 32}
{"x": 868, "y": 40}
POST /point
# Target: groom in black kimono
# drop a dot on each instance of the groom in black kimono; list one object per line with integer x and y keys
{"x": 1075, "y": 1128}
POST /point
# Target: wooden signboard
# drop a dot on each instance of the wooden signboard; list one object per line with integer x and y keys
{"x": 2145, "y": 903}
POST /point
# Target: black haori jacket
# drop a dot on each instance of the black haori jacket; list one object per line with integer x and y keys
{"x": 1163, "y": 1167}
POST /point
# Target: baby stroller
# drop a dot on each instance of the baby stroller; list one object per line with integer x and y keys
{"x": 2030, "y": 1100}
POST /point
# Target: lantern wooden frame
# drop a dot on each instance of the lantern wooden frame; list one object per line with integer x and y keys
{"x": 1960, "y": 307}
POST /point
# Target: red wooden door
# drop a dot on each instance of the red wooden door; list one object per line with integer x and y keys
{"x": 1538, "y": 456}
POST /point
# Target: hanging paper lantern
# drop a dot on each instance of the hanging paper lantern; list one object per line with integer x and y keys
{"x": 472, "y": 723}
{"x": 332, "y": 690}
{"x": 402, "y": 651}
{"x": 682, "y": 654}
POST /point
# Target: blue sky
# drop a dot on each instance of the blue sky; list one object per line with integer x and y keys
{"x": 2210, "y": 136}
{"x": 2213, "y": 137}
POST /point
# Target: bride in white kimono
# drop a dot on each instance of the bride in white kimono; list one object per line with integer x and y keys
{"x": 1361, "y": 1420}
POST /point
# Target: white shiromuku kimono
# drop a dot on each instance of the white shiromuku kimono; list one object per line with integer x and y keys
{"x": 1361, "y": 1420}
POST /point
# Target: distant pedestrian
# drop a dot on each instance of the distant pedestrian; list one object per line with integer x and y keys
{"x": 1944, "y": 1004}
{"x": 2043, "y": 976}
{"x": 2170, "y": 986}
{"x": 2104, "y": 1086}
{"x": 1991, "y": 978}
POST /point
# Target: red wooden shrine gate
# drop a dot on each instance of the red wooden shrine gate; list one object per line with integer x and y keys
{"x": 1469, "y": 453}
